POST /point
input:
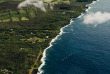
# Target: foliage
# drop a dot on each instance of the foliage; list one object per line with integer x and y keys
{"x": 25, "y": 33}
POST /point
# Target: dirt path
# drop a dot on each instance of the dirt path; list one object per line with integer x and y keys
{"x": 31, "y": 70}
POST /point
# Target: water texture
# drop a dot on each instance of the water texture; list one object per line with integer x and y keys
{"x": 83, "y": 48}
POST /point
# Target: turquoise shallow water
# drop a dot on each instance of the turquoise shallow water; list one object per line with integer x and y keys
{"x": 83, "y": 48}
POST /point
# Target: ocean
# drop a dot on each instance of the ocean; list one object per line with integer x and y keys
{"x": 82, "y": 48}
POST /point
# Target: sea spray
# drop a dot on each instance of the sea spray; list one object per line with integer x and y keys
{"x": 89, "y": 7}
{"x": 53, "y": 40}
{"x": 50, "y": 45}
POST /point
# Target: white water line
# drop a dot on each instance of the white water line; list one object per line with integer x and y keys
{"x": 53, "y": 40}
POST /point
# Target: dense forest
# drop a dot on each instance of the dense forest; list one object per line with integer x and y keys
{"x": 25, "y": 33}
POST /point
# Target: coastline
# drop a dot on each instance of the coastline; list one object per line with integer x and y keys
{"x": 61, "y": 32}
{"x": 50, "y": 45}
{"x": 25, "y": 36}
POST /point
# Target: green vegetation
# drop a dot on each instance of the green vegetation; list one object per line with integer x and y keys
{"x": 25, "y": 33}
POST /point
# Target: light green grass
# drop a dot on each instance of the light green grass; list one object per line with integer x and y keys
{"x": 1, "y": 21}
{"x": 6, "y": 20}
{"x": 40, "y": 40}
{"x": 24, "y": 19}
{"x": 15, "y": 19}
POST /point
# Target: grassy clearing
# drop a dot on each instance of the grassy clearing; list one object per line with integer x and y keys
{"x": 15, "y": 19}
{"x": 6, "y": 20}
{"x": 24, "y": 19}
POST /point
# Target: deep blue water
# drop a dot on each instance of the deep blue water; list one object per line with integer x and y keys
{"x": 83, "y": 49}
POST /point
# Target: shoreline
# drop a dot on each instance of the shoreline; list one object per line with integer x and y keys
{"x": 61, "y": 32}
{"x": 29, "y": 35}
{"x": 50, "y": 45}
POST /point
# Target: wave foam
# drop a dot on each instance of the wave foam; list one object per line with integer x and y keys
{"x": 50, "y": 45}
{"x": 53, "y": 40}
